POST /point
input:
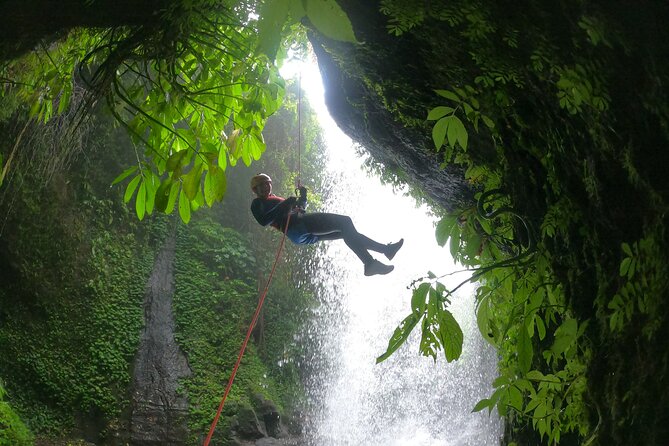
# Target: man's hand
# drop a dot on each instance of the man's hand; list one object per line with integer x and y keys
{"x": 303, "y": 192}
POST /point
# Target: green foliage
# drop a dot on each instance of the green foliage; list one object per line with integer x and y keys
{"x": 194, "y": 90}
{"x": 278, "y": 16}
{"x": 641, "y": 272}
{"x": 520, "y": 310}
{"x": 523, "y": 313}
{"x": 577, "y": 87}
{"x": 215, "y": 297}
{"x": 595, "y": 29}
{"x": 440, "y": 330}
{"x": 450, "y": 128}
{"x": 328, "y": 18}
{"x": 72, "y": 310}
{"x": 548, "y": 172}
{"x": 13, "y": 432}
{"x": 71, "y": 301}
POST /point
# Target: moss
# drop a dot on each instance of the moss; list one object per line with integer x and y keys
{"x": 74, "y": 267}
{"x": 13, "y": 432}
{"x": 215, "y": 297}
{"x": 74, "y": 322}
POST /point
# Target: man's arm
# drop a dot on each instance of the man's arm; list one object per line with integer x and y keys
{"x": 302, "y": 201}
{"x": 268, "y": 211}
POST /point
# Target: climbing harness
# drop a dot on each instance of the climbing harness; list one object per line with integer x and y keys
{"x": 261, "y": 301}
{"x": 254, "y": 320}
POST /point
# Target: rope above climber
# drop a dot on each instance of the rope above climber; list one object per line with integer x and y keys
{"x": 306, "y": 228}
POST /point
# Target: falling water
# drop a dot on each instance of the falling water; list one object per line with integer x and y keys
{"x": 408, "y": 400}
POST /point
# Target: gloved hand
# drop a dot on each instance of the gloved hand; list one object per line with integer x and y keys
{"x": 303, "y": 192}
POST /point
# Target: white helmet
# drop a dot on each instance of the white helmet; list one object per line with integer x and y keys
{"x": 259, "y": 179}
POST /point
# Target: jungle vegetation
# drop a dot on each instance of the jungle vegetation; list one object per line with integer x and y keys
{"x": 566, "y": 238}
{"x": 74, "y": 271}
{"x": 558, "y": 117}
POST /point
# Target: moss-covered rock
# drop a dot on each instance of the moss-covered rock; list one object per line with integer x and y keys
{"x": 13, "y": 431}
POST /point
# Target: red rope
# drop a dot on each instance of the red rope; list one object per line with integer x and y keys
{"x": 299, "y": 131}
{"x": 248, "y": 336}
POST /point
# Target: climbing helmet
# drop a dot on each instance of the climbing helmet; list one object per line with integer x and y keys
{"x": 259, "y": 179}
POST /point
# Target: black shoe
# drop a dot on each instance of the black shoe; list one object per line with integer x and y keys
{"x": 393, "y": 248}
{"x": 375, "y": 267}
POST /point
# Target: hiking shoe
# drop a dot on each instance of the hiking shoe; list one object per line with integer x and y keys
{"x": 393, "y": 248}
{"x": 375, "y": 267}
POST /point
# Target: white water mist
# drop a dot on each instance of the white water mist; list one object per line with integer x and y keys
{"x": 408, "y": 399}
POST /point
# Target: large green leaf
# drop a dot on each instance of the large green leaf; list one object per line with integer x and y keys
{"x": 171, "y": 202}
{"x": 400, "y": 336}
{"x": 461, "y": 135}
{"x": 214, "y": 185}
{"x": 439, "y": 132}
{"x": 456, "y": 132}
{"x": 163, "y": 195}
{"x": 483, "y": 318}
{"x": 126, "y": 173}
{"x": 438, "y": 113}
{"x": 192, "y": 181}
{"x": 184, "y": 207}
{"x": 140, "y": 201}
{"x": 515, "y": 398}
{"x": 448, "y": 95}
{"x": 450, "y": 335}
{"x": 535, "y": 375}
{"x": 179, "y": 159}
{"x": 273, "y": 15}
{"x": 485, "y": 402}
{"x": 418, "y": 298}
{"x": 328, "y": 18}
{"x": 454, "y": 246}
{"x": 444, "y": 229}
{"x": 565, "y": 336}
{"x": 130, "y": 190}
{"x": 152, "y": 182}
{"x": 429, "y": 342}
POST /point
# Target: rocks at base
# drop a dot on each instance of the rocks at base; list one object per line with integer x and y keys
{"x": 261, "y": 427}
{"x": 246, "y": 425}
{"x": 269, "y": 414}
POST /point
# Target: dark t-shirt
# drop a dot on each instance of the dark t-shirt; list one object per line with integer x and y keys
{"x": 274, "y": 211}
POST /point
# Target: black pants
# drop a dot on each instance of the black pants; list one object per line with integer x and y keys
{"x": 334, "y": 227}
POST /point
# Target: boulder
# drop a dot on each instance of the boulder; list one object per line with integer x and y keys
{"x": 246, "y": 425}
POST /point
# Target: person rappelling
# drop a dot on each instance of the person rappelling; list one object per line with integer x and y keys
{"x": 307, "y": 228}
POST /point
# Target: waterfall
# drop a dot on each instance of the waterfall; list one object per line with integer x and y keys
{"x": 408, "y": 400}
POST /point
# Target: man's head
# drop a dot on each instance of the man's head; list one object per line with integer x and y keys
{"x": 261, "y": 185}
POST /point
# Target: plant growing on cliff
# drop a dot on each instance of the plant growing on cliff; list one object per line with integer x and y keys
{"x": 522, "y": 308}
{"x": 193, "y": 85}
{"x": 13, "y": 432}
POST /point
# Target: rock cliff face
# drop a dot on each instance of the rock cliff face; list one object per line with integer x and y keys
{"x": 379, "y": 93}
{"x": 159, "y": 411}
